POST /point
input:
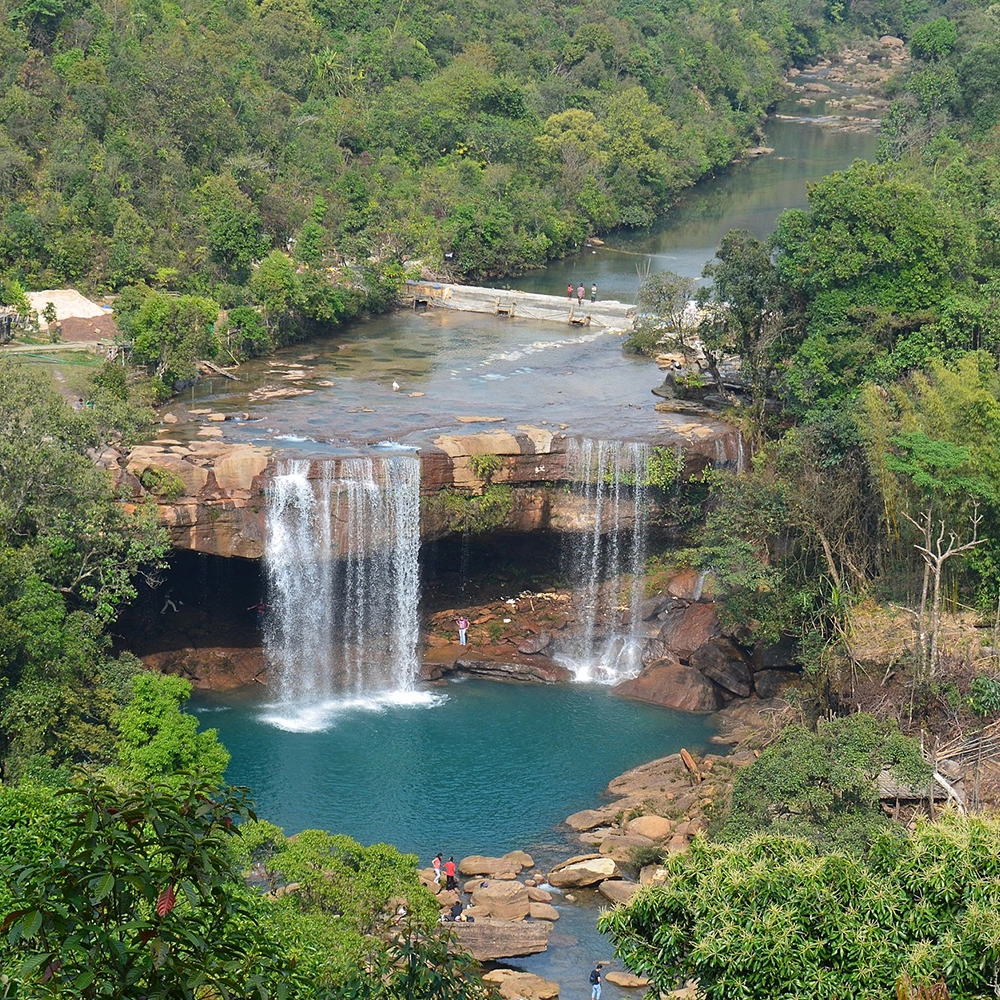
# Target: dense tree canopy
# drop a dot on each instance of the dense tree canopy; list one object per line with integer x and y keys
{"x": 771, "y": 917}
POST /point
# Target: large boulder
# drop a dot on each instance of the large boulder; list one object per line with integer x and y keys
{"x": 672, "y": 685}
{"x": 590, "y": 819}
{"x": 488, "y": 940}
{"x": 687, "y": 628}
{"x": 534, "y": 643}
{"x": 621, "y": 846}
{"x": 478, "y": 864}
{"x": 653, "y": 827}
{"x": 626, "y": 980}
{"x": 617, "y": 890}
{"x": 539, "y": 895}
{"x": 512, "y": 985}
{"x": 587, "y": 869}
{"x": 543, "y": 911}
{"x": 503, "y": 900}
{"x": 722, "y": 661}
{"x": 523, "y": 858}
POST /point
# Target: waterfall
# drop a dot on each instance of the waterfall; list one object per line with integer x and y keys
{"x": 341, "y": 562}
{"x": 605, "y": 561}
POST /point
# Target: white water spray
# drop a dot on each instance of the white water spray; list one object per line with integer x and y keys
{"x": 606, "y": 561}
{"x": 343, "y": 582}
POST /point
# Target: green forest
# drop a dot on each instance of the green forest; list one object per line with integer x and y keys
{"x": 290, "y": 162}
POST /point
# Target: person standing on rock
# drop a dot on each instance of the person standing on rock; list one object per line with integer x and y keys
{"x": 463, "y": 630}
{"x": 580, "y": 292}
{"x": 449, "y": 873}
{"x": 595, "y": 982}
{"x": 436, "y": 865}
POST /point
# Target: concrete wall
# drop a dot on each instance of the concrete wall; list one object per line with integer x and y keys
{"x": 608, "y": 314}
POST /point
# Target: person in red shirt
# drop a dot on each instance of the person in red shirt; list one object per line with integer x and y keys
{"x": 449, "y": 874}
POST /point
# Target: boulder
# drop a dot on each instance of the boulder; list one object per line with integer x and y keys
{"x": 672, "y": 685}
{"x": 626, "y": 980}
{"x": 503, "y": 900}
{"x": 478, "y": 864}
{"x": 891, "y": 42}
{"x": 653, "y": 827}
{"x": 590, "y": 819}
{"x": 617, "y": 890}
{"x": 537, "y": 895}
{"x": 511, "y": 984}
{"x": 535, "y": 643}
{"x": 722, "y": 661}
{"x": 689, "y": 627}
{"x": 655, "y": 649}
{"x": 488, "y": 940}
{"x": 543, "y": 911}
{"x": 580, "y": 871}
{"x": 649, "y": 875}
{"x": 816, "y": 88}
{"x": 621, "y": 846}
{"x": 522, "y": 858}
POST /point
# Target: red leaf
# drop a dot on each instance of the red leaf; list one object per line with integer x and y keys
{"x": 166, "y": 900}
{"x": 51, "y": 970}
{"x": 146, "y": 936}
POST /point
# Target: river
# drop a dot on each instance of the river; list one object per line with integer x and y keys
{"x": 471, "y": 767}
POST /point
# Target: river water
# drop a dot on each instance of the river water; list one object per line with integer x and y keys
{"x": 473, "y": 768}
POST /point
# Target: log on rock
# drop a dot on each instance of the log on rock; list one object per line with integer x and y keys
{"x": 488, "y": 940}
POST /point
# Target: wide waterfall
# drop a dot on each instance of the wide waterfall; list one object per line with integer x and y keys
{"x": 342, "y": 566}
{"x": 605, "y": 561}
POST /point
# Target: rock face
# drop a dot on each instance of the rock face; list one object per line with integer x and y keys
{"x": 672, "y": 685}
{"x": 210, "y": 495}
{"x": 488, "y": 939}
{"x": 581, "y": 871}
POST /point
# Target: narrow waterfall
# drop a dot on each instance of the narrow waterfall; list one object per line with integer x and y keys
{"x": 605, "y": 561}
{"x": 342, "y": 572}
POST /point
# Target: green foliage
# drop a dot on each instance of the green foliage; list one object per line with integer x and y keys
{"x": 475, "y": 513}
{"x": 157, "y": 738}
{"x": 771, "y": 917}
{"x": 984, "y": 695}
{"x": 485, "y": 466}
{"x": 822, "y": 785}
{"x": 934, "y": 40}
{"x": 137, "y": 897}
{"x": 162, "y": 483}
{"x": 663, "y": 468}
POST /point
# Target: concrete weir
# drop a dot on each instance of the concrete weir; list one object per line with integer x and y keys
{"x": 609, "y": 314}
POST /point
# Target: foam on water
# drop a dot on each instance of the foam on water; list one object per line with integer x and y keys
{"x": 324, "y": 715}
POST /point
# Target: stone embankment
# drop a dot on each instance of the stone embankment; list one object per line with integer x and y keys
{"x": 570, "y": 311}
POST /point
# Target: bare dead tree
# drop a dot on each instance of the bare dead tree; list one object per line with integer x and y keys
{"x": 935, "y": 552}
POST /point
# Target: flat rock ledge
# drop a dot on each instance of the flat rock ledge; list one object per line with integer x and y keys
{"x": 488, "y": 939}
